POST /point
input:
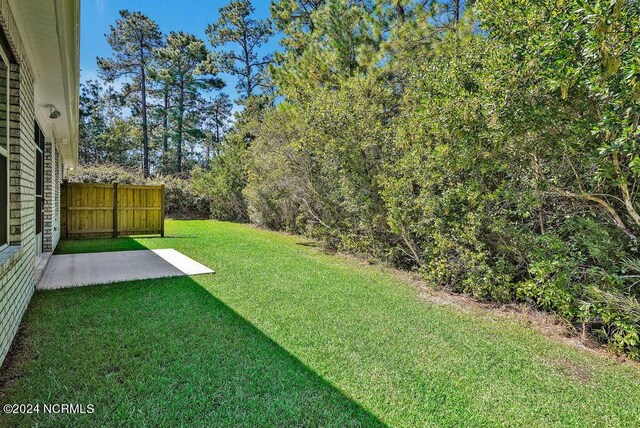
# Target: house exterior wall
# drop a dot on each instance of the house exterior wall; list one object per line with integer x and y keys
{"x": 17, "y": 263}
{"x": 52, "y": 179}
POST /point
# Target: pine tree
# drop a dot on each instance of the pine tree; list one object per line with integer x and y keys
{"x": 218, "y": 112}
{"x": 105, "y": 136}
{"x": 188, "y": 71}
{"x": 324, "y": 42}
{"x": 235, "y": 26}
{"x": 133, "y": 39}
{"x": 162, "y": 103}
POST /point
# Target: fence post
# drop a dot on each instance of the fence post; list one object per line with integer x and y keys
{"x": 115, "y": 209}
{"x": 162, "y": 208}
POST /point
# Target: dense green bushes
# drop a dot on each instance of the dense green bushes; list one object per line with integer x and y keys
{"x": 223, "y": 182}
{"x": 498, "y": 163}
{"x": 182, "y": 201}
{"x": 106, "y": 173}
{"x": 317, "y": 170}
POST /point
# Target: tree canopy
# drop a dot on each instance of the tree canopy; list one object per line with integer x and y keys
{"x": 236, "y": 27}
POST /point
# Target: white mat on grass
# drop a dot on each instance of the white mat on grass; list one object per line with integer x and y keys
{"x": 178, "y": 260}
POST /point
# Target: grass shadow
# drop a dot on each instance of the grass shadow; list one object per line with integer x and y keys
{"x": 314, "y": 244}
{"x": 74, "y": 246}
{"x": 164, "y": 352}
{"x": 308, "y": 243}
{"x": 151, "y": 238}
{"x": 127, "y": 243}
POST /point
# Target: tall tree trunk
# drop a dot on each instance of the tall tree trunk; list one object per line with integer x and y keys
{"x": 216, "y": 141}
{"x": 180, "y": 120}
{"x": 165, "y": 128}
{"x": 247, "y": 65}
{"x": 217, "y": 135}
{"x": 400, "y": 11}
{"x": 456, "y": 12}
{"x": 624, "y": 188}
{"x": 145, "y": 135}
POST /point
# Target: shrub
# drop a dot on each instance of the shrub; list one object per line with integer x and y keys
{"x": 182, "y": 201}
{"x": 107, "y": 174}
{"x": 222, "y": 184}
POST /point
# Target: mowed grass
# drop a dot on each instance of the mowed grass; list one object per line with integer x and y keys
{"x": 286, "y": 335}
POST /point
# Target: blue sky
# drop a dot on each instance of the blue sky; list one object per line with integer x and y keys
{"x": 171, "y": 15}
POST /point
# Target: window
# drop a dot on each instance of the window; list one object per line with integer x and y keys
{"x": 4, "y": 150}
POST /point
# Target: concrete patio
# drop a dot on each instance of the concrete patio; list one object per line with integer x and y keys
{"x": 75, "y": 270}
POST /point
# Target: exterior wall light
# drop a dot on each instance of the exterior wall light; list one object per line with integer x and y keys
{"x": 54, "y": 113}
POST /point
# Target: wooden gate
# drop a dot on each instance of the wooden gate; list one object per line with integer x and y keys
{"x": 91, "y": 210}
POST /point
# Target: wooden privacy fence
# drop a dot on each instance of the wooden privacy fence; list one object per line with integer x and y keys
{"x": 101, "y": 210}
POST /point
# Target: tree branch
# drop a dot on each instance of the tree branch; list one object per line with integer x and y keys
{"x": 624, "y": 188}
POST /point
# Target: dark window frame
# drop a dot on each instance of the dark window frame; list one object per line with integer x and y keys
{"x": 6, "y": 57}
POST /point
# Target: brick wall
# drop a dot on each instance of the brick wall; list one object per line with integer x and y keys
{"x": 17, "y": 263}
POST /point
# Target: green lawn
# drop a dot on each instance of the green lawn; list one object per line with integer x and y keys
{"x": 286, "y": 335}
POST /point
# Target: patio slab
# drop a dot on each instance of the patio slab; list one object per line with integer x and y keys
{"x": 74, "y": 270}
